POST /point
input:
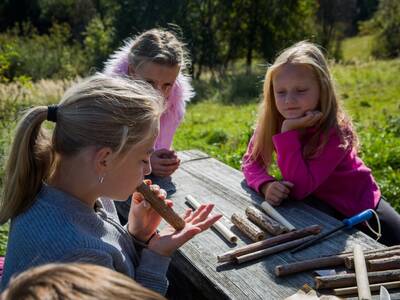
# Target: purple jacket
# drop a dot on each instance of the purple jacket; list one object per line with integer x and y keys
{"x": 181, "y": 93}
{"x": 336, "y": 176}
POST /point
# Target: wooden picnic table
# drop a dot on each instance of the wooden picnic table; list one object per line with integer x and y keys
{"x": 194, "y": 272}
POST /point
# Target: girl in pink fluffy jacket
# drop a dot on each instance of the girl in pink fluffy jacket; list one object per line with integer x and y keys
{"x": 158, "y": 57}
{"x": 301, "y": 120}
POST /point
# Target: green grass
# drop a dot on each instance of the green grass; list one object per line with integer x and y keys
{"x": 370, "y": 92}
{"x": 357, "y": 48}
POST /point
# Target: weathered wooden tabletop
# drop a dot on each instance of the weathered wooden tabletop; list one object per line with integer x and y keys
{"x": 209, "y": 180}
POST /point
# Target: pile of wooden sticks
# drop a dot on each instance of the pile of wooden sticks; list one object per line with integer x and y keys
{"x": 382, "y": 265}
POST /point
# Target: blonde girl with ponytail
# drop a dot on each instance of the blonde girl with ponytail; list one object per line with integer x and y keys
{"x": 57, "y": 183}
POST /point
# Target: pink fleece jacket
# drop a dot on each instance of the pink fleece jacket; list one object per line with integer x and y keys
{"x": 336, "y": 176}
{"x": 181, "y": 93}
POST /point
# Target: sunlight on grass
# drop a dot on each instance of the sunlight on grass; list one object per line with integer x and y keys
{"x": 357, "y": 48}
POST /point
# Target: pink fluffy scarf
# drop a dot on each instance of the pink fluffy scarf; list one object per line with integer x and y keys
{"x": 181, "y": 93}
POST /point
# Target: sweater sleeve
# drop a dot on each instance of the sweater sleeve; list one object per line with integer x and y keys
{"x": 152, "y": 270}
{"x": 254, "y": 172}
{"x": 306, "y": 175}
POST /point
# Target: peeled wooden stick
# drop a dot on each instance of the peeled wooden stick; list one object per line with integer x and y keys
{"x": 248, "y": 228}
{"x": 373, "y": 287}
{"x": 264, "y": 221}
{"x": 345, "y": 280}
{"x": 272, "y": 212}
{"x": 230, "y": 255}
{"x": 349, "y": 261}
{"x": 163, "y": 209}
{"x": 360, "y": 267}
{"x": 272, "y": 250}
{"x": 221, "y": 228}
{"x": 387, "y": 263}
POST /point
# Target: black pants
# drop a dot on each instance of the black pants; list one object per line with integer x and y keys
{"x": 389, "y": 219}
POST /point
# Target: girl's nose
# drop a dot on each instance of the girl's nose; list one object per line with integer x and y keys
{"x": 289, "y": 98}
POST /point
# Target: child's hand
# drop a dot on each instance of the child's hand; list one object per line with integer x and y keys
{"x": 310, "y": 119}
{"x": 143, "y": 220}
{"x": 168, "y": 240}
{"x": 164, "y": 162}
{"x": 276, "y": 191}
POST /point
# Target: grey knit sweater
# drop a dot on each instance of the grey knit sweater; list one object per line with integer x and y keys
{"x": 61, "y": 228}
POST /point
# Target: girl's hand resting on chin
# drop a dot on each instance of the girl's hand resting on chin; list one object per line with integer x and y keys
{"x": 310, "y": 119}
{"x": 276, "y": 191}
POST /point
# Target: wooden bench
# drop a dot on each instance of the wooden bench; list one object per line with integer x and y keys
{"x": 194, "y": 271}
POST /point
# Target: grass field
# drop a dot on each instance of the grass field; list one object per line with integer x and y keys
{"x": 370, "y": 92}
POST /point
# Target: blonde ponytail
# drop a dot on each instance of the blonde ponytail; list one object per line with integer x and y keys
{"x": 28, "y": 164}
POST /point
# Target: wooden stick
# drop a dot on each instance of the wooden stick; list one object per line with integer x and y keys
{"x": 321, "y": 262}
{"x": 345, "y": 280}
{"x": 248, "y": 228}
{"x": 161, "y": 208}
{"x": 349, "y": 261}
{"x": 264, "y": 221}
{"x": 272, "y": 212}
{"x": 221, "y": 228}
{"x": 360, "y": 267}
{"x": 373, "y": 287}
{"x": 272, "y": 250}
{"x": 230, "y": 255}
{"x": 310, "y": 264}
{"x": 387, "y": 263}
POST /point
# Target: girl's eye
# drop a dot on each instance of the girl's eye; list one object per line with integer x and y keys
{"x": 281, "y": 92}
{"x": 302, "y": 90}
{"x": 145, "y": 161}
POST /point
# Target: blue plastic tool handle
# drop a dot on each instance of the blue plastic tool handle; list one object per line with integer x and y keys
{"x": 361, "y": 217}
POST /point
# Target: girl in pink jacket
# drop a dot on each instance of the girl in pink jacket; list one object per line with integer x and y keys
{"x": 301, "y": 120}
{"x": 159, "y": 58}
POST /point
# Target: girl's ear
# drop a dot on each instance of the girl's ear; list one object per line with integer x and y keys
{"x": 102, "y": 159}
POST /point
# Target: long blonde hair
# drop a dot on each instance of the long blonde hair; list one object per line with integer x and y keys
{"x": 270, "y": 120}
{"x": 99, "y": 111}
{"x": 75, "y": 281}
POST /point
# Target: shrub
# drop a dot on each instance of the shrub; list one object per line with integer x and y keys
{"x": 51, "y": 55}
{"x": 386, "y": 26}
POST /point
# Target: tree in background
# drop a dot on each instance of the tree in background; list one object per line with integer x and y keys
{"x": 385, "y": 25}
{"x": 218, "y": 33}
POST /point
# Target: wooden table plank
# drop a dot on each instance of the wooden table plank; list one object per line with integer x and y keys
{"x": 209, "y": 180}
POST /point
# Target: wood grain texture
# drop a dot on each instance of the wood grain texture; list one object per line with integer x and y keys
{"x": 249, "y": 229}
{"x": 264, "y": 221}
{"x": 209, "y": 180}
{"x": 360, "y": 267}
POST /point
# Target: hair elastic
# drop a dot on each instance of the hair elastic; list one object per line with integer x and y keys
{"x": 52, "y": 113}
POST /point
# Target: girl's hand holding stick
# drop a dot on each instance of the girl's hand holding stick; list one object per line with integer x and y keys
{"x": 144, "y": 220}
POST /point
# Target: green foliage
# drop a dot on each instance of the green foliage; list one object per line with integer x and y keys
{"x": 98, "y": 41}
{"x": 385, "y": 25}
{"x": 231, "y": 89}
{"x": 37, "y": 56}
